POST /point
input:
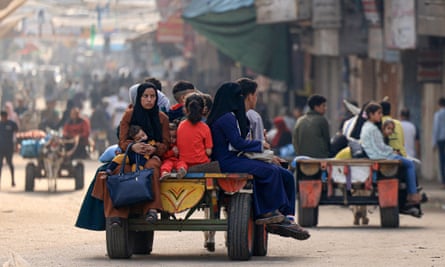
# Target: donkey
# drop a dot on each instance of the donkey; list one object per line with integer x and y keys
{"x": 53, "y": 156}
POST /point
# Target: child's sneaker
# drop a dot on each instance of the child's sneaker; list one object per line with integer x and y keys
{"x": 164, "y": 175}
{"x": 181, "y": 173}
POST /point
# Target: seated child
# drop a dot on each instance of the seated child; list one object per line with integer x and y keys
{"x": 171, "y": 157}
{"x": 208, "y": 103}
{"x": 138, "y": 135}
{"x": 388, "y": 127}
{"x": 194, "y": 138}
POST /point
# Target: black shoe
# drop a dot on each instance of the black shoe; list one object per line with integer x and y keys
{"x": 411, "y": 210}
{"x": 151, "y": 217}
{"x": 115, "y": 222}
{"x": 288, "y": 229}
{"x": 210, "y": 246}
{"x": 424, "y": 198}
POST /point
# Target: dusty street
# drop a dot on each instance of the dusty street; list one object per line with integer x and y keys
{"x": 39, "y": 227}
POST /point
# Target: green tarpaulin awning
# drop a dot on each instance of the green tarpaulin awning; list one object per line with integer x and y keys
{"x": 264, "y": 48}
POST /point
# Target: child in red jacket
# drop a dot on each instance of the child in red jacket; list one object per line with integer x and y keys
{"x": 194, "y": 138}
{"x": 171, "y": 157}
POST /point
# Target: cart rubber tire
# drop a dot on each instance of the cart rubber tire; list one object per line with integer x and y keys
{"x": 240, "y": 227}
{"x": 142, "y": 242}
{"x": 389, "y": 217}
{"x": 260, "y": 241}
{"x": 29, "y": 177}
{"x": 307, "y": 217}
{"x": 119, "y": 240}
{"x": 79, "y": 176}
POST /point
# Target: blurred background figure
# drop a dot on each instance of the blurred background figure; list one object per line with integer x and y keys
{"x": 439, "y": 137}
{"x": 100, "y": 127}
{"x": 77, "y": 127}
{"x": 21, "y": 107}
{"x": 8, "y": 128}
{"x": 283, "y": 135}
{"x": 411, "y": 134}
{"x": 49, "y": 117}
{"x": 12, "y": 115}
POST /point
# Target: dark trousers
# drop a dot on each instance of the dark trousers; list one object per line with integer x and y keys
{"x": 7, "y": 154}
{"x": 441, "y": 149}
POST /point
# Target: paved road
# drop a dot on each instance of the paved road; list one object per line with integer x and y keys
{"x": 38, "y": 227}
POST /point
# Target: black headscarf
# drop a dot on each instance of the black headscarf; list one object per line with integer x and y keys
{"x": 229, "y": 98}
{"x": 147, "y": 119}
{"x": 357, "y": 129}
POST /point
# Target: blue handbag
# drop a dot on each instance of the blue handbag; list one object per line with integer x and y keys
{"x": 132, "y": 187}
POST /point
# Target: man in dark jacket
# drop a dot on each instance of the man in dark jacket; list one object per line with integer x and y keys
{"x": 311, "y": 133}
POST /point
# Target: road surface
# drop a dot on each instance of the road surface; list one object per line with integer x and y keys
{"x": 38, "y": 227}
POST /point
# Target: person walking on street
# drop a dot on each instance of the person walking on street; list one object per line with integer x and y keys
{"x": 311, "y": 133}
{"x": 439, "y": 136}
{"x": 8, "y": 128}
{"x": 411, "y": 134}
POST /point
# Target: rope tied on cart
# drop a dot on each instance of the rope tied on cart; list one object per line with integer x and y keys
{"x": 347, "y": 172}
{"x": 330, "y": 186}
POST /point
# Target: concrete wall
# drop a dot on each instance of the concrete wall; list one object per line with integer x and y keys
{"x": 362, "y": 80}
{"x": 327, "y": 82}
{"x": 430, "y": 162}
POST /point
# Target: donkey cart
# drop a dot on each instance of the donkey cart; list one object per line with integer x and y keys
{"x": 50, "y": 159}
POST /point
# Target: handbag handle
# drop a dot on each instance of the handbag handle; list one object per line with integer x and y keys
{"x": 125, "y": 159}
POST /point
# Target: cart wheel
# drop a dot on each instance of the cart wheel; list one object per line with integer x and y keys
{"x": 78, "y": 176}
{"x": 119, "y": 241}
{"x": 389, "y": 217}
{"x": 143, "y": 242}
{"x": 240, "y": 227}
{"x": 29, "y": 177}
{"x": 260, "y": 241}
{"x": 307, "y": 217}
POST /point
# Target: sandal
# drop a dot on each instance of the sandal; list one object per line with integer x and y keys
{"x": 287, "y": 228}
{"x": 270, "y": 217}
{"x": 152, "y": 216}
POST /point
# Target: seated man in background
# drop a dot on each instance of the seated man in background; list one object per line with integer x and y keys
{"x": 180, "y": 90}
{"x": 77, "y": 127}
